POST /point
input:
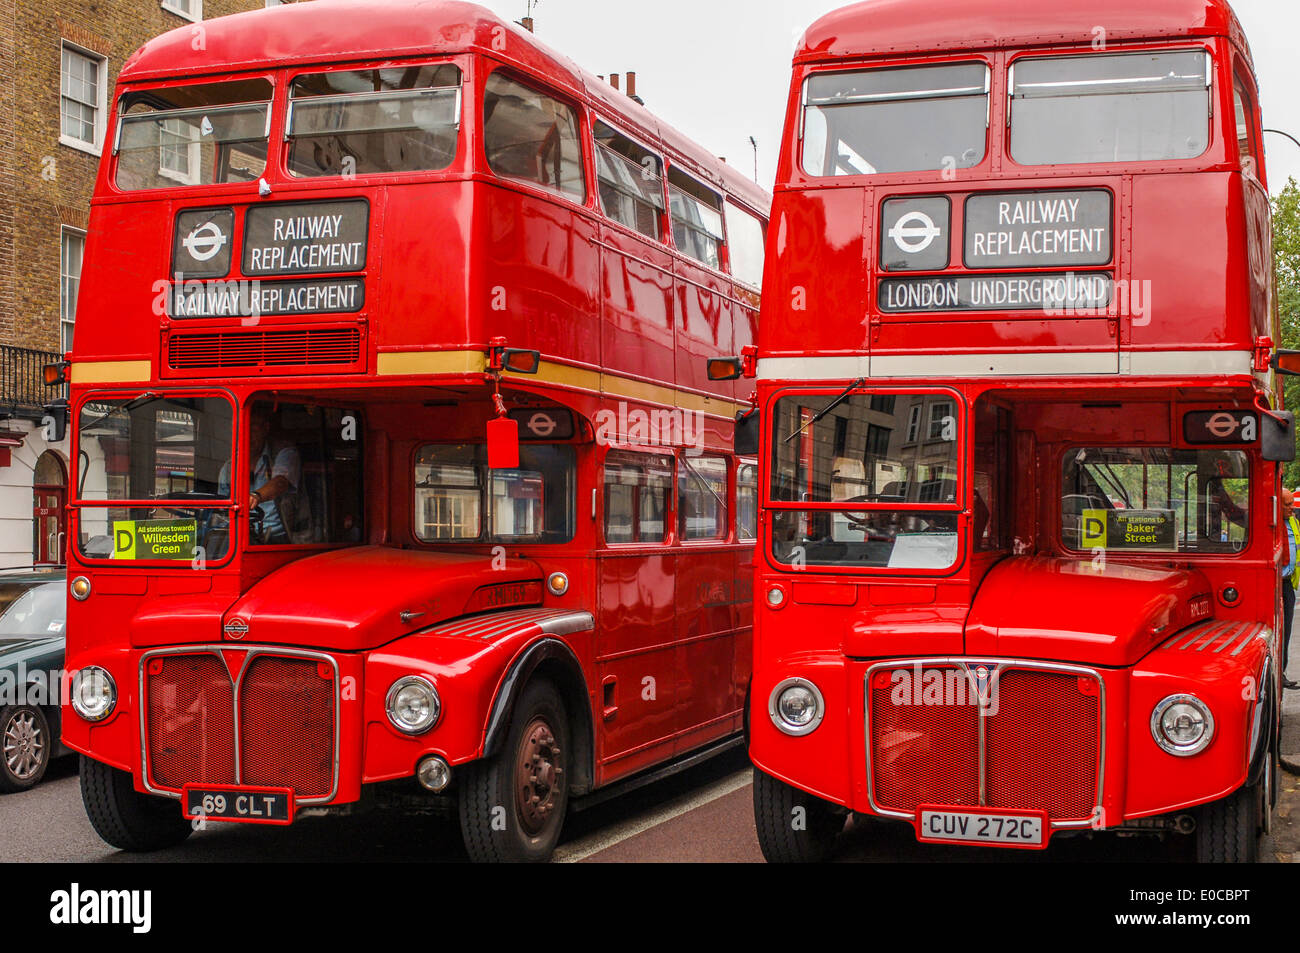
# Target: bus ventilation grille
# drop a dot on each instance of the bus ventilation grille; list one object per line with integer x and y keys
{"x": 286, "y": 725}
{"x": 333, "y": 347}
{"x": 1041, "y": 751}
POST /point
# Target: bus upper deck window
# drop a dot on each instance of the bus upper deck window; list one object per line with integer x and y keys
{"x": 630, "y": 179}
{"x": 696, "y": 212}
{"x": 193, "y": 135}
{"x": 363, "y": 122}
{"x": 530, "y": 136}
{"x": 896, "y": 120}
{"x": 1125, "y": 107}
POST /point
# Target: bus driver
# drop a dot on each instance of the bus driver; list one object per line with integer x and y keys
{"x": 274, "y": 481}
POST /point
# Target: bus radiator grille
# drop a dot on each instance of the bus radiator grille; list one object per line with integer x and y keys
{"x": 286, "y": 726}
{"x": 1042, "y": 736}
{"x": 191, "y": 718}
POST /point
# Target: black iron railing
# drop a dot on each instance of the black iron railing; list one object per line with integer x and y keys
{"x": 23, "y": 392}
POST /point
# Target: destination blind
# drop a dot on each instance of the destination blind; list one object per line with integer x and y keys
{"x": 1038, "y": 229}
{"x": 220, "y": 299}
{"x": 1032, "y": 292}
{"x": 306, "y": 238}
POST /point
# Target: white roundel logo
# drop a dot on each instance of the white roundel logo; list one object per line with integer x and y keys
{"x": 541, "y": 425}
{"x": 205, "y": 241}
{"x": 915, "y": 232}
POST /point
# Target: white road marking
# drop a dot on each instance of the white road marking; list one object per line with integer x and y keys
{"x": 585, "y": 847}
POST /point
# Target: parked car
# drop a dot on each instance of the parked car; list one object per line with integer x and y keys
{"x": 33, "y": 611}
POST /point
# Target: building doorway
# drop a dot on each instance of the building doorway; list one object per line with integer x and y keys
{"x": 49, "y": 509}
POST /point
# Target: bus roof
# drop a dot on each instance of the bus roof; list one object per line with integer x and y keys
{"x": 879, "y": 27}
{"x": 330, "y": 31}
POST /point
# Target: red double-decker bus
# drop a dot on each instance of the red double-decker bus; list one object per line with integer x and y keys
{"x": 400, "y": 473}
{"x": 1020, "y": 530}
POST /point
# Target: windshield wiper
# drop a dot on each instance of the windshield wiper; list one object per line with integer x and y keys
{"x": 829, "y": 407}
{"x": 140, "y": 400}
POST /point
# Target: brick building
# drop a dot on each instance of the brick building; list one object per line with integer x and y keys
{"x": 58, "y": 63}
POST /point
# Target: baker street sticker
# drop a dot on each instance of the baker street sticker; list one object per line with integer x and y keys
{"x": 1129, "y": 529}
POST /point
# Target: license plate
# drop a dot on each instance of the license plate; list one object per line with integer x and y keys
{"x": 946, "y": 825}
{"x": 244, "y": 805}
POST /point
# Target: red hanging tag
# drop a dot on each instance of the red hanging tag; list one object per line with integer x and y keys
{"x": 503, "y": 444}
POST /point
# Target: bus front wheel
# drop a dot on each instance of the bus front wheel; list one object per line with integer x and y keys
{"x": 123, "y": 816}
{"x": 794, "y": 827}
{"x": 512, "y": 805}
{"x": 1228, "y": 830}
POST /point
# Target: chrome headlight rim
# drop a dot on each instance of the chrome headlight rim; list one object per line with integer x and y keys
{"x": 79, "y": 680}
{"x": 774, "y": 707}
{"x": 435, "y": 705}
{"x": 80, "y": 588}
{"x": 1171, "y": 747}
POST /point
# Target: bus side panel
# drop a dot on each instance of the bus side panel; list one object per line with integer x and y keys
{"x": 636, "y": 292}
{"x": 537, "y": 274}
{"x": 636, "y": 662}
{"x": 814, "y": 294}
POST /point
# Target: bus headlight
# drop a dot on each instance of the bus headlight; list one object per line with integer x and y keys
{"x": 413, "y": 704}
{"x": 795, "y": 706}
{"x": 94, "y": 693}
{"x": 1182, "y": 725}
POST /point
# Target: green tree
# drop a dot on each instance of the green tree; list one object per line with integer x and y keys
{"x": 1286, "y": 259}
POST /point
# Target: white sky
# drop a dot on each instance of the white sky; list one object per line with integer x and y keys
{"x": 719, "y": 70}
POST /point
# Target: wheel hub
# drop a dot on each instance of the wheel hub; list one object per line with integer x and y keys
{"x": 540, "y": 776}
{"x": 23, "y": 746}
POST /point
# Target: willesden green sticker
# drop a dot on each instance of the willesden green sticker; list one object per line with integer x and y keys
{"x": 154, "y": 539}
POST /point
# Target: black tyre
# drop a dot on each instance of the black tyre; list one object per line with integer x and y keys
{"x": 25, "y": 746}
{"x": 794, "y": 827}
{"x": 1227, "y": 831}
{"x": 512, "y": 805}
{"x": 123, "y": 816}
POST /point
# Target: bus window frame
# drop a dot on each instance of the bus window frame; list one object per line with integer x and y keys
{"x": 1242, "y": 74}
{"x": 1251, "y": 453}
{"x": 489, "y": 67}
{"x": 670, "y": 540}
{"x": 243, "y": 481}
{"x": 77, "y": 504}
{"x": 982, "y": 169}
{"x": 107, "y": 172}
{"x": 464, "y": 128}
{"x": 962, "y": 508}
{"x": 665, "y": 222}
{"x": 485, "y": 514}
{"x": 728, "y": 500}
{"x": 1214, "y": 139}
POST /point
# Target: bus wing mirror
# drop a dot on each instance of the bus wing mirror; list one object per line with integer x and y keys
{"x": 1277, "y": 436}
{"x": 725, "y": 368}
{"x": 56, "y": 421}
{"x": 746, "y": 437}
{"x": 1286, "y": 362}
{"x": 521, "y": 362}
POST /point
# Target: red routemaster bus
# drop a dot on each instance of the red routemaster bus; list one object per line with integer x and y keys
{"x": 1019, "y": 534}
{"x": 399, "y": 471}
